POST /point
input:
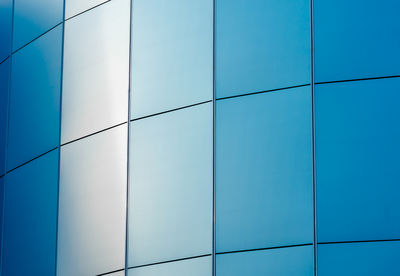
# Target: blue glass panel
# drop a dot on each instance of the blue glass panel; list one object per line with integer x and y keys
{"x": 292, "y": 261}
{"x": 356, "y": 39}
{"x": 6, "y": 28}
{"x": 264, "y": 170}
{"x": 30, "y": 218}
{"x": 366, "y": 259}
{"x": 35, "y": 99}
{"x": 357, "y": 155}
{"x": 4, "y": 88}
{"x": 193, "y": 267}
{"x": 172, "y": 54}
{"x": 170, "y": 215}
{"x": 33, "y": 18}
{"x": 1, "y": 208}
{"x": 261, "y": 45}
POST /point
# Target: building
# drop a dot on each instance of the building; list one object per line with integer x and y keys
{"x": 201, "y": 137}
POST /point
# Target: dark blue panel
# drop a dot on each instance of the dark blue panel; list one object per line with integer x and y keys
{"x": 356, "y": 39}
{"x": 366, "y": 259}
{"x": 30, "y": 217}
{"x": 6, "y": 28}
{"x": 264, "y": 170}
{"x": 35, "y": 99}
{"x": 293, "y": 261}
{"x": 1, "y": 207}
{"x": 261, "y": 45}
{"x": 358, "y": 160}
{"x": 33, "y": 18}
{"x": 4, "y": 88}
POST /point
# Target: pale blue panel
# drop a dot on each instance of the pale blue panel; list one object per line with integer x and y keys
{"x": 33, "y": 18}
{"x": 6, "y": 28}
{"x": 358, "y": 160}
{"x": 95, "y": 70}
{"x": 366, "y": 259}
{"x": 73, "y": 7}
{"x": 4, "y": 88}
{"x": 261, "y": 45}
{"x": 264, "y": 170}
{"x": 293, "y": 261}
{"x": 35, "y": 99}
{"x": 170, "y": 204}
{"x": 356, "y": 39}
{"x": 30, "y": 218}
{"x": 172, "y": 54}
{"x": 92, "y": 204}
{"x": 193, "y": 267}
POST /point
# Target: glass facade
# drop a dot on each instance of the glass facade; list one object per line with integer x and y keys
{"x": 201, "y": 137}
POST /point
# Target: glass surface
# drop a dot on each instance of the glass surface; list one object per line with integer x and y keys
{"x": 357, "y": 159}
{"x": 92, "y": 204}
{"x": 170, "y": 206}
{"x": 4, "y": 88}
{"x": 261, "y": 45}
{"x": 6, "y": 28}
{"x": 30, "y": 218}
{"x": 119, "y": 273}
{"x": 264, "y": 170}
{"x": 33, "y": 18}
{"x": 96, "y": 70}
{"x": 193, "y": 267}
{"x": 172, "y": 54}
{"x": 366, "y": 259}
{"x": 1, "y": 207}
{"x": 356, "y": 39}
{"x": 35, "y": 99}
{"x": 73, "y": 7}
{"x": 292, "y": 261}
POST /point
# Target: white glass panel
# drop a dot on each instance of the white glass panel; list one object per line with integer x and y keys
{"x": 96, "y": 70}
{"x": 171, "y": 186}
{"x": 172, "y": 54}
{"x": 193, "y": 267}
{"x": 92, "y": 204}
{"x": 73, "y": 7}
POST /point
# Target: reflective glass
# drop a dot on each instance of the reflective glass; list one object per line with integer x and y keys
{"x": 6, "y": 27}
{"x": 366, "y": 259}
{"x": 193, "y": 267}
{"x": 119, "y": 273}
{"x": 96, "y": 70}
{"x": 92, "y": 204}
{"x": 35, "y": 99}
{"x": 33, "y": 18}
{"x": 357, "y": 155}
{"x": 264, "y": 170}
{"x": 356, "y": 39}
{"x": 170, "y": 206}
{"x": 261, "y": 45}
{"x": 4, "y": 88}
{"x": 292, "y": 261}
{"x": 1, "y": 207}
{"x": 172, "y": 54}
{"x": 73, "y": 7}
{"x": 30, "y": 218}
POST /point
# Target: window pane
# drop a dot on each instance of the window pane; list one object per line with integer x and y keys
{"x": 356, "y": 39}
{"x": 35, "y": 99}
{"x": 96, "y": 70}
{"x": 4, "y": 88}
{"x": 264, "y": 170}
{"x": 367, "y": 259}
{"x": 193, "y": 267}
{"x": 6, "y": 29}
{"x": 293, "y": 261}
{"x": 73, "y": 7}
{"x": 172, "y": 48}
{"x": 33, "y": 18}
{"x": 261, "y": 45}
{"x": 170, "y": 215}
{"x": 92, "y": 208}
{"x": 30, "y": 218}
{"x": 357, "y": 155}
